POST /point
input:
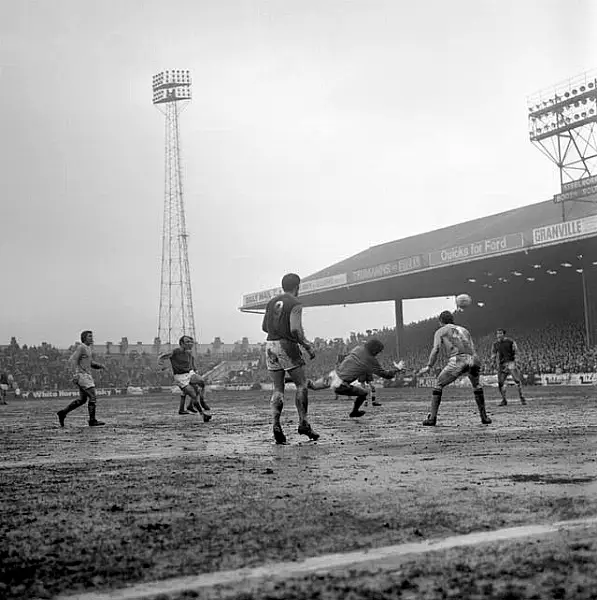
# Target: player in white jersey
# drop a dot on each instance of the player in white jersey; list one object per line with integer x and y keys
{"x": 82, "y": 361}
{"x": 463, "y": 360}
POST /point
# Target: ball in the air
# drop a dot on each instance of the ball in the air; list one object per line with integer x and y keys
{"x": 463, "y": 300}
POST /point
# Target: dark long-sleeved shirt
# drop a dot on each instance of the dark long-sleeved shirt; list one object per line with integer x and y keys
{"x": 361, "y": 362}
{"x": 181, "y": 361}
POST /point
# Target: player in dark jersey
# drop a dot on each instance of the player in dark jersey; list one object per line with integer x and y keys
{"x": 360, "y": 365}
{"x": 182, "y": 362}
{"x": 285, "y": 336}
{"x": 504, "y": 352}
{"x": 463, "y": 360}
{"x": 4, "y": 385}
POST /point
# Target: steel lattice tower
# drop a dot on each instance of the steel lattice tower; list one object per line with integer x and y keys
{"x": 171, "y": 94}
{"x": 563, "y": 125}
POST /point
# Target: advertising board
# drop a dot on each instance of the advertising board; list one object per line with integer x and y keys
{"x": 477, "y": 249}
{"x": 566, "y": 230}
{"x": 574, "y": 190}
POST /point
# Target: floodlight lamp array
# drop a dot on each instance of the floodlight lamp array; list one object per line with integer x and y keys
{"x": 172, "y": 78}
{"x": 565, "y": 107}
{"x": 172, "y": 94}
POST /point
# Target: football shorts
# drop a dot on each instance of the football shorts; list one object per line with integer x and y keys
{"x": 461, "y": 364}
{"x": 83, "y": 380}
{"x": 182, "y": 380}
{"x": 283, "y": 355}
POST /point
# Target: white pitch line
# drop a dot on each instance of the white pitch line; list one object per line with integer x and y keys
{"x": 390, "y": 556}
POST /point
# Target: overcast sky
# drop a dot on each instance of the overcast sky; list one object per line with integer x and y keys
{"x": 317, "y": 128}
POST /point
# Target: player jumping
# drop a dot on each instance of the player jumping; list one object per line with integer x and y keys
{"x": 361, "y": 364}
{"x": 185, "y": 376}
{"x": 504, "y": 352}
{"x": 283, "y": 324}
{"x": 83, "y": 362}
{"x": 463, "y": 360}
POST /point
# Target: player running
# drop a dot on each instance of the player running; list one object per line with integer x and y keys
{"x": 360, "y": 364}
{"x": 463, "y": 360}
{"x": 285, "y": 335}
{"x": 182, "y": 362}
{"x": 82, "y": 361}
{"x": 504, "y": 352}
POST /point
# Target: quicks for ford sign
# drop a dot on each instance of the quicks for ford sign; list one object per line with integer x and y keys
{"x": 476, "y": 249}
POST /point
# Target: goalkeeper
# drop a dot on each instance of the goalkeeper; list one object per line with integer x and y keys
{"x": 360, "y": 364}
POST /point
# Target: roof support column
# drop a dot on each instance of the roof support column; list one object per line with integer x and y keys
{"x": 589, "y": 292}
{"x": 399, "y": 315}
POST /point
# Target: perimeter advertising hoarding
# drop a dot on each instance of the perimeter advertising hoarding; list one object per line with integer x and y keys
{"x": 476, "y": 249}
{"x": 307, "y": 287}
{"x": 562, "y": 379}
{"x": 568, "y": 379}
{"x": 565, "y": 230}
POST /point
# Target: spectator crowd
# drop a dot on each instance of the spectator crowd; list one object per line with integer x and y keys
{"x": 45, "y": 367}
{"x": 557, "y": 347}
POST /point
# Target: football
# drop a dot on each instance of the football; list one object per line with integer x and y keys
{"x": 463, "y": 300}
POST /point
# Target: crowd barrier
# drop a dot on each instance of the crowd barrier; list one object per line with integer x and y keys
{"x": 129, "y": 391}
{"x": 571, "y": 379}
{"x": 71, "y": 393}
{"x": 562, "y": 379}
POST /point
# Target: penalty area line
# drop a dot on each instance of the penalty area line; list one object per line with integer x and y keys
{"x": 387, "y": 557}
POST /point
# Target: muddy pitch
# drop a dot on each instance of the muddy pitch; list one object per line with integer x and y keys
{"x": 154, "y": 495}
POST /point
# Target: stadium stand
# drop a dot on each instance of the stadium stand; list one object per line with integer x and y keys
{"x": 546, "y": 346}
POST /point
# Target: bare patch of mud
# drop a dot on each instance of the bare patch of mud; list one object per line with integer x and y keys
{"x": 154, "y": 495}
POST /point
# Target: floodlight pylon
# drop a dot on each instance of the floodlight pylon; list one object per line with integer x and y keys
{"x": 563, "y": 125}
{"x": 171, "y": 94}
